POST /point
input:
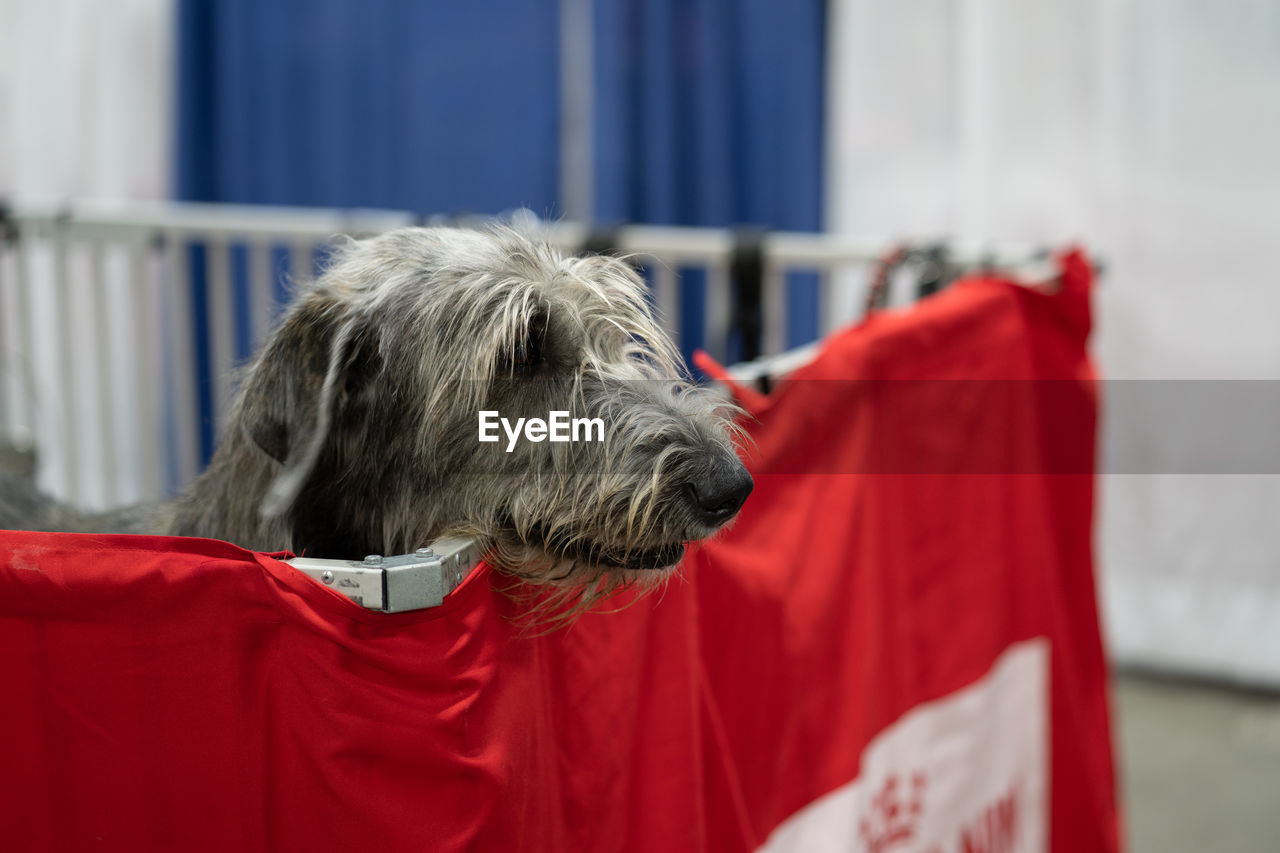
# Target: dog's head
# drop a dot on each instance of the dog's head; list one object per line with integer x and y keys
{"x": 443, "y": 381}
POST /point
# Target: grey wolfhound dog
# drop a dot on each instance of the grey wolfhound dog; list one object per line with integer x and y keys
{"x": 357, "y": 429}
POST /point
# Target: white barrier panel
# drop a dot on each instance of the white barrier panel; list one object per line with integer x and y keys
{"x": 99, "y": 362}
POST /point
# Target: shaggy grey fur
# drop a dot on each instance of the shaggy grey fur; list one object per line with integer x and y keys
{"x": 355, "y": 431}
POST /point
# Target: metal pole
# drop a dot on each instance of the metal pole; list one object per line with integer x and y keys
{"x": 577, "y": 110}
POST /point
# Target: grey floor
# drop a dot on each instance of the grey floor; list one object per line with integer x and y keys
{"x": 1199, "y": 767}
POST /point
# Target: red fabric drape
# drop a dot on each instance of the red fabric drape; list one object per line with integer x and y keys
{"x": 906, "y": 528}
{"x": 183, "y": 694}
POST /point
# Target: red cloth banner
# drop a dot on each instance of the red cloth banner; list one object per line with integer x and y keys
{"x": 944, "y": 518}
{"x": 895, "y": 648}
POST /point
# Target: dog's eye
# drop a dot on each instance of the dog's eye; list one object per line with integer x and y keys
{"x": 527, "y": 354}
{"x": 528, "y": 351}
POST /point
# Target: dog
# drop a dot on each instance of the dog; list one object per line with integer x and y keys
{"x": 360, "y": 428}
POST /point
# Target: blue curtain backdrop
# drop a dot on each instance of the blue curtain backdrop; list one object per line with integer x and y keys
{"x": 438, "y": 107}
{"x": 707, "y": 112}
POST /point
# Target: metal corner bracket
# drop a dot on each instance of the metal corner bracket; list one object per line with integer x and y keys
{"x": 400, "y": 583}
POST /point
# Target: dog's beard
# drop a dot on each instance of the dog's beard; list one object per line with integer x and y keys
{"x": 611, "y": 556}
{"x": 542, "y": 553}
{"x": 555, "y": 587}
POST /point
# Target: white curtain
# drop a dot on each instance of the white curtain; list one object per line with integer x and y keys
{"x": 1148, "y": 130}
{"x": 85, "y": 113}
{"x": 85, "y": 98}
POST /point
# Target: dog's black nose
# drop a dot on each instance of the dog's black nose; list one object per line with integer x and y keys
{"x": 722, "y": 493}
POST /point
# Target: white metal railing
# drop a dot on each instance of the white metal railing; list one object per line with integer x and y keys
{"x": 96, "y": 358}
{"x": 96, "y": 361}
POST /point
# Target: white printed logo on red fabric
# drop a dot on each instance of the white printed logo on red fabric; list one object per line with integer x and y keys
{"x": 967, "y": 773}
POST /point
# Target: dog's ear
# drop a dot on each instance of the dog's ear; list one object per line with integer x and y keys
{"x": 313, "y": 383}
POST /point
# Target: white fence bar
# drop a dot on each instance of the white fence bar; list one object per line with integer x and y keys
{"x": 8, "y": 274}
{"x": 63, "y": 308}
{"x": 182, "y": 371}
{"x": 143, "y": 271}
{"x": 10, "y": 387}
{"x": 828, "y": 294}
{"x": 773, "y": 339}
{"x": 666, "y": 293}
{"x": 676, "y": 245}
{"x": 23, "y": 342}
{"x": 302, "y": 261}
{"x": 103, "y": 375}
{"x": 219, "y": 298}
{"x": 90, "y": 219}
{"x": 719, "y": 310}
{"x": 262, "y": 298}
